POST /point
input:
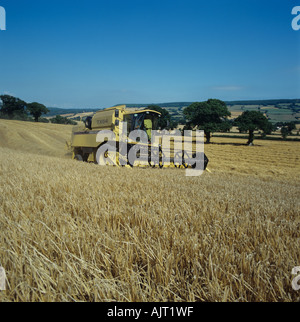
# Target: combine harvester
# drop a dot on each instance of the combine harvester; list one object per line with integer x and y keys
{"x": 122, "y": 136}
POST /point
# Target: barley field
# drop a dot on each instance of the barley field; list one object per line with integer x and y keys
{"x": 72, "y": 231}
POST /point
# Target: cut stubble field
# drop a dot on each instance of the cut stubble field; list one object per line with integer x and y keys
{"x": 72, "y": 231}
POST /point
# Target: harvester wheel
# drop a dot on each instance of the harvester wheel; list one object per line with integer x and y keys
{"x": 109, "y": 157}
{"x": 78, "y": 157}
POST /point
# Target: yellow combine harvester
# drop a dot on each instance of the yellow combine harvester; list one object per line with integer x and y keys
{"x": 124, "y": 136}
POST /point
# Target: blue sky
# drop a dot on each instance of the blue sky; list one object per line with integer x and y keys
{"x": 98, "y": 53}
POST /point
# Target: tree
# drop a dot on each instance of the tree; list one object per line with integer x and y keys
{"x": 12, "y": 106}
{"x": 36, "y": 110}
{"x": 210, "y": 116}
{"x": 287, "y": 129}
{"x": 251, "y": 121}
{"x": 284, "y": 132}
{"x": 165, "y": 121}
{"x": 58, "y": 119}
{"x": 291, "y": 126}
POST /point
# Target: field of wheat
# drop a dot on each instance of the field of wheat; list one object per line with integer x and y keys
{"x": 73, "y": 231}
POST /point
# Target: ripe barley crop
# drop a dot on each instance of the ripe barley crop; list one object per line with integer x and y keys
{"x": 72, "y": 231}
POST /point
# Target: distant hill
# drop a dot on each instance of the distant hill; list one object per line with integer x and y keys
{"x": 277, "y": 110}
{"x": 229, "y": 103}
{"x": 61, "y": 111}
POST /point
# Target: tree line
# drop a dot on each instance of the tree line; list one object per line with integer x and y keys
{"x": 210, "y": 116}
{"x": 213, "y": 116}
{"x": 15, "y": 108}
